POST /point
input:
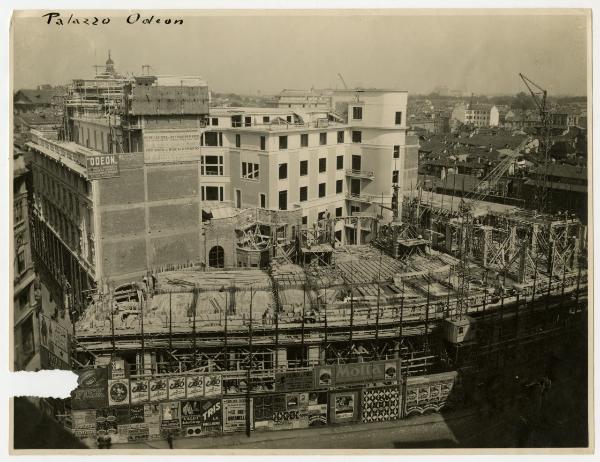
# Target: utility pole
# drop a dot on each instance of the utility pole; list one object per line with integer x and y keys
{"x": 248, "y": 371}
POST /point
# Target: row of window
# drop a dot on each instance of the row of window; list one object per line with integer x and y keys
{"x": 283, "y": 170}
{"x": 65, "y": 228}
{"x": 283, "y": 139}
{"x": 55, "y": 190}
{"x": 357, "y": 114}
{"x": 339, "y": 189}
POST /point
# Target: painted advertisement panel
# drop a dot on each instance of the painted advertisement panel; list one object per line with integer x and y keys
{"x": 213, "y": 385}
{"x": 92, "y": 389}
{"x": 140, "y": 391}
{"x": 158, "y": 389}
{"x": 176, "y": 388}
{"x": 102, "y": 166}
{"x": 428, "y": 393}
{"x": 194, "y": 386}
{"x": 294, "y": 381}
{"x": 201, "y": 418}
{"x": 380, "y": 404}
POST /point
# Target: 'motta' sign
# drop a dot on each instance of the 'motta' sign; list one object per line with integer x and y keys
{"x": 102, "y": 166}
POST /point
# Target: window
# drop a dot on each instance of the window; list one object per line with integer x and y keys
{"x": 238, "y": 141}
{"x": 304, "y": 140}
{"x": 282, "y": 200}
{"x": 283, "y": 142}
{"x": 395, "y": 176}
{"x": 322, "y": 215}
{"x": 340, "y": 137}
{"x": 247, "y": 121}
{"x": 356, "y": 137}
{"x": 211, "y": 139}
{"x": 305, "y": 220}
{"x": 303, "y": 193}
{"x": 303, "y": 167}
{"x": 263, "y": 143}
{"x": 340, "y": 162}
{"x": 282, "y": 171}
{"x": 215, "y": 122}
{"x": 338, "y": 211}
{"x": 356, "y": 162}
{"x": 357, "y": 113}
{"x": 289, "y": 119}
{"x": 20, "y": 262}
{"x": 396, "y": 151}
{"x": 339, "y": 186}
{"x": 24, "y": 299}
{"x": 216, "y": 257}
{"x": 211, "y": 165}
{"x": 322, "y": 164}
{"x": 263, "y": 201}
{"x": 212, "y": 193}
{"x": 18, "y": 211}
{"x": 220, "y": 139}
{"x": 266, "y": 119}
{"x": 323, "y": 138}
{"x": 322, "y": 189}
{"x": 250, "y": 171}
{"x": 398, "y": 118}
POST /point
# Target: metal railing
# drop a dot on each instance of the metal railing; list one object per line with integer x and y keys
{"x": 59, "y": 148}
{"x": 360, "y": 173}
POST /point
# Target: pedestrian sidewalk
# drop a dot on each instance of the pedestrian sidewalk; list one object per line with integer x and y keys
{"x": 233, "y": 440}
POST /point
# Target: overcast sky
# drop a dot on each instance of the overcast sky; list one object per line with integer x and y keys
{"x": 474, "y": 53}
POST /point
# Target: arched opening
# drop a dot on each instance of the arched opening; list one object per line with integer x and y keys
{"x": 216, "y": 257}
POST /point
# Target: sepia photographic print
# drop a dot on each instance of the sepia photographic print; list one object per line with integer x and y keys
{"x": 302, "y": 230}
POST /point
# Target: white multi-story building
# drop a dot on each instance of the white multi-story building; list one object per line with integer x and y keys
{"x": 478, "y": 115}
{"x": 288, "y": 159}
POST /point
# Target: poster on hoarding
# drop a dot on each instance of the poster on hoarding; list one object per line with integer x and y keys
{"x": 194, "y": 386}
{"x": 92, "y": 389}
{"x": 176, "y": 388}
{"x": 118, "y": 392}
{"x": 234, "y": 414}
{"x": 213, "y": 385}
{"x": 317, "y": 409}
{"x": 152, "y": 419}
{"x": 294, "y": 381}
{"x": 324, "y": 376}
{"x": 54, "y": 342}
{"x": 200, "y": 418}
{"x": 84, "y": 423}
{"x": 140, "y": 391}
{"x": 106, "y": 421}
{"x": 158, "y": 389}
{"x": 118, "y": 369}
{"x": 345, "y": 406}
{"x": 170, "y": 416}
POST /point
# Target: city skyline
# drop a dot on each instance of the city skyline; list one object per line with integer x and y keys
{"x": 461, "y": 47}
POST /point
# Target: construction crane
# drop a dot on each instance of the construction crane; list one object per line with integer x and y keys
{"x": 343, "y": 81}
{"x": 540, "y": 98}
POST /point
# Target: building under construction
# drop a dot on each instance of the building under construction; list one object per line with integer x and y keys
{"x": 425, "y": 287}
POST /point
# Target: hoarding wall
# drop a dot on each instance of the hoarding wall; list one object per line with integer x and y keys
{"x": 196, "y": 405}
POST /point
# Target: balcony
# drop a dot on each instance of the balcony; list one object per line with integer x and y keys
{"x": 360, "y": 174}
{"x": 364, "y": 198}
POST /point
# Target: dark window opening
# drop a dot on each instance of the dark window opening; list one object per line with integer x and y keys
{"x": 322, "y": 189}
{"x": 303, "y": 167}
{"x": 216, "y": 257}
{"x": 356, "y": 137}
{"x": 340, "y": 137}
{"x": 322, "y": 164}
